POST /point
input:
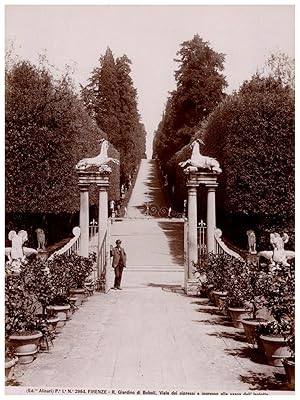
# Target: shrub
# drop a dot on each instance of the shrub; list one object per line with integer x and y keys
{"x": 20, "y": 306}
{"x": 252, "y": 135}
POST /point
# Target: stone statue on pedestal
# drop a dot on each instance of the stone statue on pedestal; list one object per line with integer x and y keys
{"x": 278, "y": 255}
{"x": 198, "y": 161}
{"x": 41, "y": 239}
{"x": 99, "y": 161}
{"x": 251, "y": 241}
{"x": 17, "y": 253}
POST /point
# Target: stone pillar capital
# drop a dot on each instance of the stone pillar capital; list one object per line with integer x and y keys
{"x": 211, "y": 187}
{"x": 83, "y": 187}
{"x": 102, "y": 188}
{"x": 192, "y": 190}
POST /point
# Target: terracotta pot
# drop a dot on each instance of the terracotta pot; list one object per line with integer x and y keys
{"x": 9, "y": 367}
{"x": 217, "y": 295}
{"x": 276, "y": 349}
{"x": 26, "y": 345}
{"x": 209, "y": 289}
{"x": 90, "y": 288}
{"x": 249, "y": 325}
{"x": 289, "y": 367}
{"x": 62, "y": 312}
{"x": 52, "y": 323}
{"x": 237, "y": 314}
{"x": 222, "y": 305}
{"x": 80, "y": 295}
{"x": 46, "y": 344}
{"x": 72, "y": 301}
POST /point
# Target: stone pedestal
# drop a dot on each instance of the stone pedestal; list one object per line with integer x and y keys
{"x": 194, "y": 179}
{"x": 253, "y": 260}
{"x": 42, "y": 255}
{"x": 192, "y": 287}
{"x": 85, "y": 179}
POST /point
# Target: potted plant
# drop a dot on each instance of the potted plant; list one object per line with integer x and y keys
{"x": 279, "y": 294}
{"x": 255, "y": 282}
{"x": 20, "y": 319}
{"x": 80, "y": 270}
{"x": 235, "y": 283}
{"x": 38, "y": 283}
{"x": 211, "y": 271}
{"x": 61, "y": 280}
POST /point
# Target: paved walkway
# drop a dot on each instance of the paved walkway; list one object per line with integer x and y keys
{"x": 149, "y": 336}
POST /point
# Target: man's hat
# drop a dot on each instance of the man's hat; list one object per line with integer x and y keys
{"x": 118, "y": 241}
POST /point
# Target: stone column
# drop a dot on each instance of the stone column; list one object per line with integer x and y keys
{"x": 191, "y": 285}
{"x": 84, "y": 220}
{"x": 102, "y": 213}
{"x": 211, "y": 217}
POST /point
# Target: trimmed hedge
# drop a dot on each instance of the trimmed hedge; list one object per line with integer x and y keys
{"x": 252, "y": 135}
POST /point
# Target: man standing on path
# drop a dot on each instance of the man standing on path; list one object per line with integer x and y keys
{"x": 118, "y": 263}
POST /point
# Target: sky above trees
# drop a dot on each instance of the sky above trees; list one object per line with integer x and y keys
{"x": 150, "y": 36}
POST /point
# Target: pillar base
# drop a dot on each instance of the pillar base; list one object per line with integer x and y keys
{"x": 192, "y": 287}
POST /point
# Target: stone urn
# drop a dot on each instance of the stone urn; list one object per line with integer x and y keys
{"x": 237, "y": 314}
{"x": 26, "y": 345}
{"x": 276, "y": 349}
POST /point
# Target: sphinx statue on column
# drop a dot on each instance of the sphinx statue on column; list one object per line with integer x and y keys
{"x": 198, "y": 161}
{"x": 100, "y": 161}
{"x": 278, "y": 256}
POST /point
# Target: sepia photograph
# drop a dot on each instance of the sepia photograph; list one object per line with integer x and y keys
{"x": 149, "y": 199}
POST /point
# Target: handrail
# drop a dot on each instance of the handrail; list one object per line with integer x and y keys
{"x": 222, "y": 248}
{"x": 71, "y": 246}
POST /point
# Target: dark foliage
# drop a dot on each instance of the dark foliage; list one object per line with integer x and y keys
{"x": 200, "y": 86}
{"x": 111, "y": 99}
{"x": 252, "y": 135}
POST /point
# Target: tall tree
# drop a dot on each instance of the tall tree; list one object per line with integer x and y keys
{"x": 200, "y": 87}
{"x": 128, "y": 116}
{"x": 47, "y": 131}
{"x": 111, "y": 99}
{"x": 252, "y": 135}
{"x": 281, "y": 67}
{"x": 105, "y": 84}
